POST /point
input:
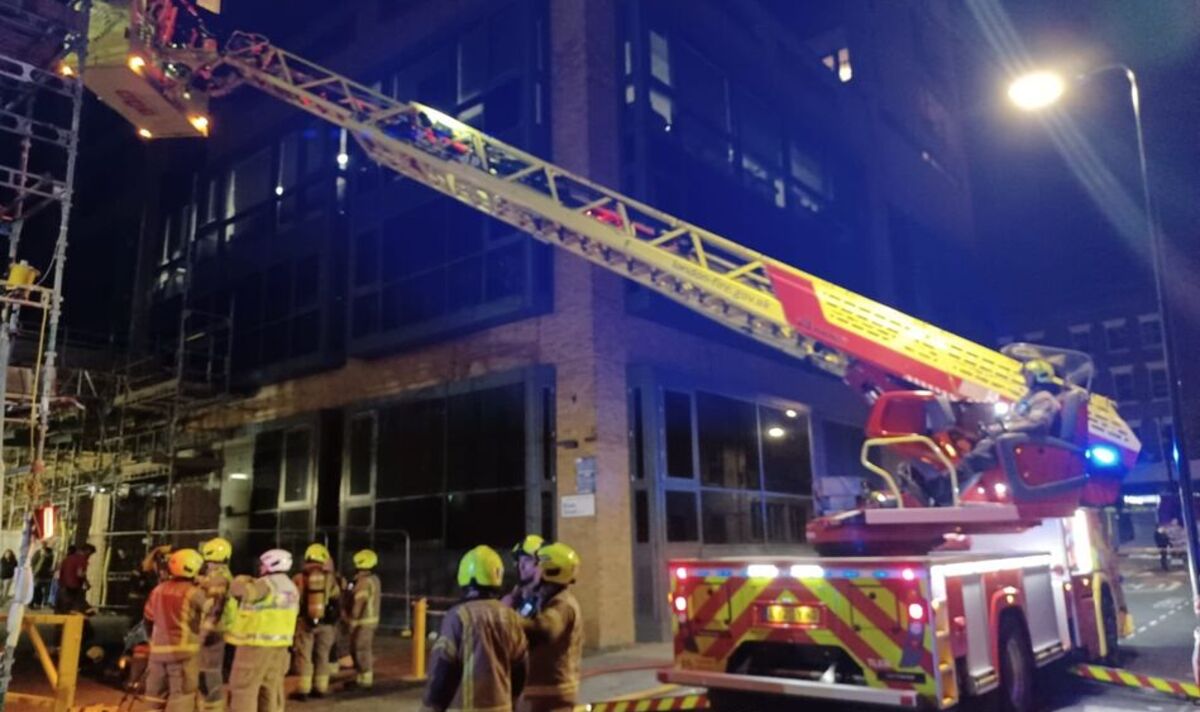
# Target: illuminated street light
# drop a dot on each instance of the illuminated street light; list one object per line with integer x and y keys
{"x": 1036, "y": 90}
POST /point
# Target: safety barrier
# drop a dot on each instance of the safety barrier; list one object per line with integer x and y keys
{"x": 1124, "y": 678}
{"x": 62, "y": 676}
{"x": 420, "y": 609}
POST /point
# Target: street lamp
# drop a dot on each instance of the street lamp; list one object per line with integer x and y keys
{"x": 1038, "y": 90}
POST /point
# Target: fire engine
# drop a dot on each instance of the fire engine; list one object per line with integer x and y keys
{"x": 903, "y": 603}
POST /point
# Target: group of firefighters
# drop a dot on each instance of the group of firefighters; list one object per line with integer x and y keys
{"x": 496, "y": 651}
{"x": 201, "y": 607}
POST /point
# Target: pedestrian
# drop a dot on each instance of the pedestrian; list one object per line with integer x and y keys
{"x": 364, "y": 616}
{"x": 1163, "y": 542}
{"x": 174, "y": 613}
{"x": 479, "y": 661}
{"x": 73, "y": 581}
{"x": 316, "y": 624}
{"x": 43, "y": 575}
{"x": 554, "y": 630}
{"x": 215, "y": 579}
{"x": 8, "y": 571}
{"x": 525, "y": 557}
{"x": 263, "y": 612}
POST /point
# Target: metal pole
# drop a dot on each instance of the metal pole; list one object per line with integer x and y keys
{"x": 1183, "y": 467}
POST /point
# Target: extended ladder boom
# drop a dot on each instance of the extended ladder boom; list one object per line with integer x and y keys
{"x": 768, "y": 300}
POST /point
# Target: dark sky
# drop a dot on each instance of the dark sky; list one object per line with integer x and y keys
{"x": 1054, "y": 234}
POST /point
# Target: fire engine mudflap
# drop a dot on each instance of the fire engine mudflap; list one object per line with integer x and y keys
{"x": 908, "y": 631}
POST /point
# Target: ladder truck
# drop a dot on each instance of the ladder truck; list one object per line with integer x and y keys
{"x": 903, "y": 604}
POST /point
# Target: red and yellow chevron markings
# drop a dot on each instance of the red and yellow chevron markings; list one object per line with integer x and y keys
{"x": 652, "y": 704}
{"x": 1116, "y": 676}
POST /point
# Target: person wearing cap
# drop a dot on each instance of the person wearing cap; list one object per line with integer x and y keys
{"x": 524, "y": 553}
{"x": 480, "y": 659}
{"x": 174, "y": 612}
{"x": 315, "y": 627}
{"x": 261, "y": 622}
{"x": 215, "y": 578}
{"x": 363, "y": 616}
{"x": 554, "y": 630}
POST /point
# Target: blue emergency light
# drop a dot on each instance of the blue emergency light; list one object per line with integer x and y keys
{"x": 1104, "y": 456}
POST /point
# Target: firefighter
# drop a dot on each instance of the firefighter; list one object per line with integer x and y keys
{"x": 479, "y": 661}
{"x": 525, "y": 557}
{"x": 315, "y": 627}
{"x": 1034, "y": 413}
{"x": 174, "y": 612}
{"x": 263, "y": 613}
{"x": 554, "y": 630}
{"x": 215, "y": 579}
{"x": 363, "y": 616}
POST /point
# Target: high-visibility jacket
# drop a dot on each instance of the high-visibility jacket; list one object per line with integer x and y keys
{"x": 175, "y": 608}
{"x": 264, "y": 612}
{"x": 555, "y": 634}
{"x": 365, "y": 607}
{"x": 483, "y": 640}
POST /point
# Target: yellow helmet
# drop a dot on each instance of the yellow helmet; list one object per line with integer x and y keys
{"x": 316, "y": 553}
{"x": 558, "y": 563}
{"x": 528, "y": 546}
{"x": 1039, "y": 370}
{"x": 365, "y": 559}
{"x": 482, "y": 567}
{"x": 185, "y": 563}
{"x": 217, "y": 550}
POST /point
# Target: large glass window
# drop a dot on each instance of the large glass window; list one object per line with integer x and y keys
{"x": 787, "y": 456}
{"x": 727, "y": 431}
{"x": 362, "y": 443}
{"x": 682, "y": 523}
{"x": 677, "y": 413}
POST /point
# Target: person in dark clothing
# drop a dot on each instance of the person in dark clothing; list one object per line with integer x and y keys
{"x": 73, "y": 581}
{"x": 8, "y": 571}
{"x": 43, "y": 575}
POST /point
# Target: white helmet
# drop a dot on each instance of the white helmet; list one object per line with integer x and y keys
{"x": 276, "y": 561}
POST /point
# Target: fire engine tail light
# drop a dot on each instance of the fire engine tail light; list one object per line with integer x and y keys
{"x": 916, "y": 612}
{"x": 681, "y": 604}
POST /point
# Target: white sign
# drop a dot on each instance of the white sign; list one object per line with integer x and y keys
{"x": 577, "y": 505}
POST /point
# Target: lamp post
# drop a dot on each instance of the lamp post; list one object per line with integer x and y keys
{"x": 1038, "y": 90}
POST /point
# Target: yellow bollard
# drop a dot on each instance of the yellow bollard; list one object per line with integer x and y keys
{"x": 417, "y": 674}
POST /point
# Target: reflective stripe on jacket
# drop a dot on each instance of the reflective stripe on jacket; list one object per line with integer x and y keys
{"x": 367, "y": 591}
{"x": 555, "y": 635}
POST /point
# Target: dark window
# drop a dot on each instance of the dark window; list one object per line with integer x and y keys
{"x": 548, "y": 450}
{"x": 786, "y": 519}
{"x": 547, "y": 501}
{"x": 362, "y": 431}
{"x": 1167, "y": 439}
{"x": 299, "y": 454}
{"x": 1160, "y": 387}
{"x": 486, "y": 439}
{"x": 306, "y": 282}
{"x": 641, "y": 516}
{"x": 682, "y": 523}
{"x": 1151, "y": 329}
{"x": 787, "y": 456}
{"x": 727, "y": 433}
{"x": 472, "y": 62}
{"x": 731, "y": 517}
{"x": 473, "y": 517}
{"x": 411, "y": 449}
{"x": 1123, "y": 386}
{"x": 677, "y": 412}
{"x": 1117, "y": 335}
{"x": 843, "y": 447}
{"x": 1081, "y": 340}
{"x": 420, "y": 517}
{"x": 249, "y": 183}
{"x": 268, "y": 458}
{"x": 294, "y": 524}
{"x": 358, "y": 517}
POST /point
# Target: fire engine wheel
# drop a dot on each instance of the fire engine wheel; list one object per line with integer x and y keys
{"x": 1016, "y": 668}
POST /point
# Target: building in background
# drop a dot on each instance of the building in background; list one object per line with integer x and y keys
{"x": 409, "y": 374}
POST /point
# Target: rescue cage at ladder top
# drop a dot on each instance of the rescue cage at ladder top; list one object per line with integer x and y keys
{"x": 919, "y": 444}
{"x": 915, "y": 434}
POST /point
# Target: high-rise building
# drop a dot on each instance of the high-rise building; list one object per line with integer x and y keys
{"x": 408, "y": 370}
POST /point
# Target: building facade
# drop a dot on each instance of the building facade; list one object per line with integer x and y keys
{"x": 417, "y": 377}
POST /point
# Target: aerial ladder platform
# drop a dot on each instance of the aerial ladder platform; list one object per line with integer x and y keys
{"x": 873, "y": 347}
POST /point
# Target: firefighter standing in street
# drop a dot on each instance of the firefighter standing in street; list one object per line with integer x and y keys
{"x": 521, "y": 598}
{"x": 479, "y": 662}
{"x": 215, "y": 579}
{"x": 174, "y": 612}
{"x": 363, "y": 614}
{"x": 554, "y": 630}
{"x": 315, "y": 627}
{"x": 263, "y": 612}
